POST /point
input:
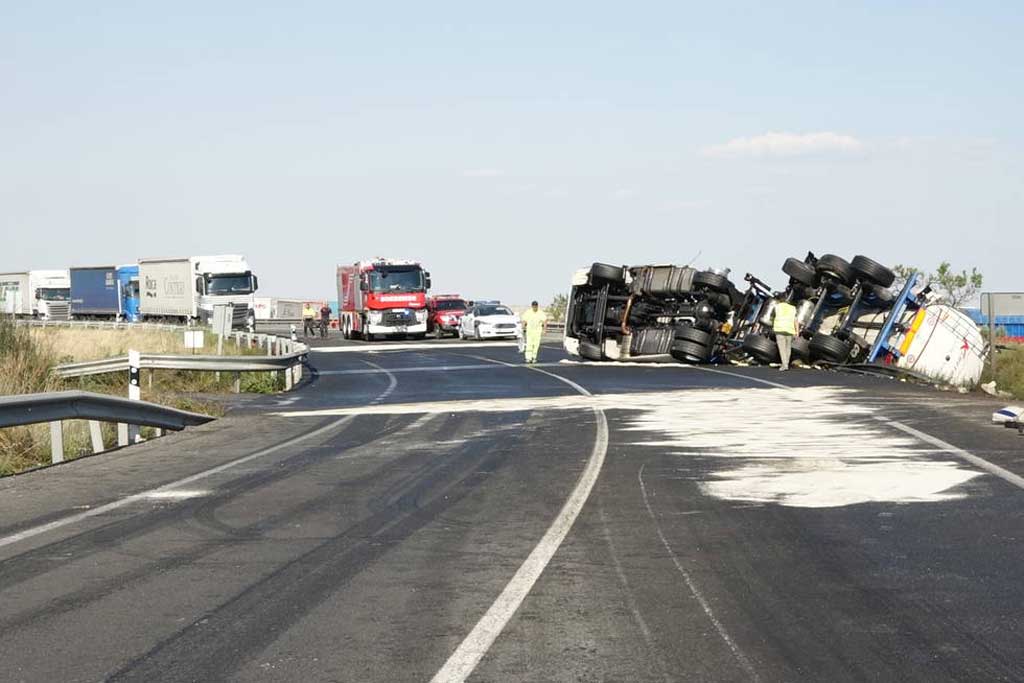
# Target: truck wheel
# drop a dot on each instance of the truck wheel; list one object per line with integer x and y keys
{"x": 692, "y": 334}
{"x": 690, "y": 352}
{"x": 590, "y": 351}
{"x": 801, "y": 350}
{"x": 836, "y": 267}
{"x": 603, "y": 271}
{"x": 368, "y": 336}
{"x": 438, "y": 333}
{"x": 761, "y": 348}
{"x": 800, "y": 271}
{"x": 872, "y": 271}
{"x": 711, "y": 281}
{"x": 825, "y": 347}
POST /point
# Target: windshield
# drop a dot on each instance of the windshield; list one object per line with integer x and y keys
{"x": 450, "y": 305}
{"x": 229, "y": 284}
{"x": 55, "y": 294}
{"x": 391, "y": 280}
{"x": 493, "y": 310}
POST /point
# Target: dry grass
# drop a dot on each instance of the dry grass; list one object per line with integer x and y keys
{"x": 1009, "y": 370}
{"x": 28, "y": 355}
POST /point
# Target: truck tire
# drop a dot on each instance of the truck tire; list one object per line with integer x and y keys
{"x": 836, "y": 267}
{"x": 825, "y": 347}
{"x": 607, "y": 273}
{"x": 761, "y": 348}
{"x": 692, "y": 334}
{"x": 690, "y": 352}
{"x": 882, "y": 296}
{"x": 590, "y": 351}
{"x": 711, "y": 281}
{"x": 800, "y": 271}
{"x": 801, "y": 350}
{"x": 872, "y": 271}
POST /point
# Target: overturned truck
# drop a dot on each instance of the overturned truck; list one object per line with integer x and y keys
{"x": 847, "y": 311}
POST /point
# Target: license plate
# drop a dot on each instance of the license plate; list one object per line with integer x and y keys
{"x": 401, "y": 328}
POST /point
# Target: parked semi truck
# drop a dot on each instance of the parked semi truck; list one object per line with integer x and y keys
{"x": 105, "y": 292}
{"x": 382, "y": 298}
{"x": 187, "y": 289}
{"x": 42, "y": 294}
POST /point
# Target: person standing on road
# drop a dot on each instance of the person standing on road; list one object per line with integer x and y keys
{"x": 308, "y": 315}
{"x": 325, "y": 319}
{"x": 785, "y": 326}
{"x": 535, "y": 323}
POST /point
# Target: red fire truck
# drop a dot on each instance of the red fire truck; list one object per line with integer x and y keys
{"x": 382, "y": 297}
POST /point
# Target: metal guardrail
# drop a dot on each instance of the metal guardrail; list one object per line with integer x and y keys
{"x": 283, "y": 355}
{"x": 99, "y": 324}
{"x": 54, "y": 407}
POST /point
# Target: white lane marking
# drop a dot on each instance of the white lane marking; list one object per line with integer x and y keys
{"x": 978, "y": 462}
{"x": 746, "y": 377}
{"x": 392, "y": 382}
{"x": 464, "y": 660}
{"x": 384, "y": 347}
{"x": 134, "y": 498}
{"x": 180, "y": 494}
{"x": 701, "y": 600}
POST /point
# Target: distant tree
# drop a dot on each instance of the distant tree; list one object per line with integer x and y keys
{"x": 954, "y": 288}
{"x": 556, "y": 309}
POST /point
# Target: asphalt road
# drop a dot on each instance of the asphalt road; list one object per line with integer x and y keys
{"x": 440, "y": 511}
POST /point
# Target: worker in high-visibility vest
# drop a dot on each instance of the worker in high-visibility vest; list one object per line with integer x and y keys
{"x": 535, "y": 321}
{"x": 785, "y": 326}
{"x": 308, "y": 317}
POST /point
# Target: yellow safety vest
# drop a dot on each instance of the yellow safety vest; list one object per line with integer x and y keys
{"x": 309, "y": 312}
{"x": 785, "y": 318}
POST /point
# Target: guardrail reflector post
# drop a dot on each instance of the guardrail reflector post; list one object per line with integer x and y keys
{"x": 236, "y": 386}
{"x": 134, "y": 389}
{"x": 288, "y": 379}
{"x": 56, "y": 442}
{"x": 122, "y": 434}
{"x": 270, "y": 346}
{"x": 96, "y": 436}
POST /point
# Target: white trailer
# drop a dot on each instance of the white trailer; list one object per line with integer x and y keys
{"x": 188, "y": 288}
{"x": 272, "y": 308}
{"x": 15, "y": 295}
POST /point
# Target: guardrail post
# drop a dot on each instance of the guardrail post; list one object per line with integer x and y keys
{"x": 122, "y": 434}
{"x": 134, "y": 390}
{"x": 56, "y": 442}
{"x": 270, "y": 346}
{"x": 288, "y": 379}
{"x": 236, "y": 385}
{"x": 96, "y": 436}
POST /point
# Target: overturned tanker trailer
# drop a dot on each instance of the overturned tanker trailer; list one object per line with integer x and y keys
{"x": 849, "y": 315}
{"x": 847, "y": 311}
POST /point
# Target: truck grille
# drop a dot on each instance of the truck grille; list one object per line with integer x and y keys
{"x": 59, "y": 311}
{"x": 400, "y": 317}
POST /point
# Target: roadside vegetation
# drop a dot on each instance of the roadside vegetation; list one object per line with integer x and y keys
{"x": 1009, "y": 370}
{"x": 28, "y": 356}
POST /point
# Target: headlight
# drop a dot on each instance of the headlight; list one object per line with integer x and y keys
{"x": 421, "y": 315}
{"x": 376, "y": 317}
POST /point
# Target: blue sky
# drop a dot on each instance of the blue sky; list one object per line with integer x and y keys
{"x": 507, "y": 145}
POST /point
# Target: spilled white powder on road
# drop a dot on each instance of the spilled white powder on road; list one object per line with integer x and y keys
{"x": 809, "y": 447}
{"x": 802, "y": 447}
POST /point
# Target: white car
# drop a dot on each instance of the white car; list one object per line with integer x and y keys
{"x": 489, "y": 321}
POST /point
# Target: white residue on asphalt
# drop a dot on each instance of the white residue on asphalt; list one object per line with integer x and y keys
{"x": 802, "y": 447}
{"x": 807, "y": 447}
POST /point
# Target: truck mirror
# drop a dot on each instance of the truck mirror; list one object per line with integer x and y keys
{"x": 363, "y": 287}
{"x": 255, "y": 283}
{"x": 426, "y": 281}
{"x": 199, "y": 285}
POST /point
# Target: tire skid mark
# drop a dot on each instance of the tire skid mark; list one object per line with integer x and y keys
{"x": 222, "y": 640}
{"x": 116, "y": 535}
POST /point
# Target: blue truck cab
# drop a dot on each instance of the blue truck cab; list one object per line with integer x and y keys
{"x": 128, "y": 280}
